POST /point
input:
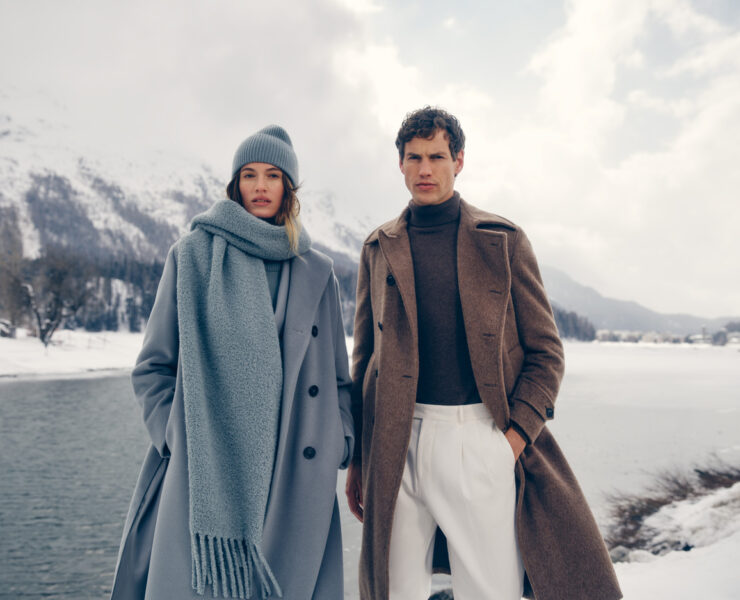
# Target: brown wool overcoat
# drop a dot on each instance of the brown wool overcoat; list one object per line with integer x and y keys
{"x": 517, "y": 361}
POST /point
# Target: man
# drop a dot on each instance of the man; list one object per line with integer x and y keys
{"x": 456, "y": 367}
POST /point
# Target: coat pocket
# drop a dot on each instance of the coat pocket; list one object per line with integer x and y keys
{"x": 501, "y": 459}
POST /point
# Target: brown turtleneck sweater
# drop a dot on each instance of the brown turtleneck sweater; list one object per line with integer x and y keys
{"x": 445, "y": 372}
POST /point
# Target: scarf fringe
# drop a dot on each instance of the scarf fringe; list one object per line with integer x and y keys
{"x": 230, "y": 566}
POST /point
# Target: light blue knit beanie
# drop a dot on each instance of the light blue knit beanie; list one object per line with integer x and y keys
{"x": 270, "y": 145}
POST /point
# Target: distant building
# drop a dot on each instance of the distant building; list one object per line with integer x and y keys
{"x": 655, "y": 337}
{"x": 733, "y": 337}
{"x": 605, "y": 335}
{"x": 699, "y": 338}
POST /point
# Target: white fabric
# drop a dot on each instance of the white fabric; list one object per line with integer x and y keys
{"x": 459, "y": 474}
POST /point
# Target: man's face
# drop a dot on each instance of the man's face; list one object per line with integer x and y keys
{"x": 429, "y": 169}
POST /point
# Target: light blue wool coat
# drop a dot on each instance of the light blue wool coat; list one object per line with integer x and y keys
{"x": 301, "y": 536}
{"x": 232, "y": 386}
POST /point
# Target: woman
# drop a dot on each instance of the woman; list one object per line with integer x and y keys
{"x": 244, "y": 384}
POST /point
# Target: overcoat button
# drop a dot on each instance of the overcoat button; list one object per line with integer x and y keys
{"x": 313, "y": 391}
{"x": 314, "y": 331}
{"x": 549, "y": 412}
{"x": 309, "y": 452}
{"x": 390, "y": 280}
{"x": 380, "y": 326}
{"x": 376, "y": 373}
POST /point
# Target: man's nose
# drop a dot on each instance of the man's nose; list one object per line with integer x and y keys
{"x": 425, "y": 168}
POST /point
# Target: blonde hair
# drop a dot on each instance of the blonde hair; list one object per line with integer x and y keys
{"x": 288, "y": 212}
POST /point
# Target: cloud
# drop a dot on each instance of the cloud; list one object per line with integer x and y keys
{"x": 641, "y": 99}
{"x": 659, "y": 223}
{"x": 361, "y": 7}
{"x": 197, "y": 78}
{"x": 713, "y": 56}
{"x": 612, "y": 143}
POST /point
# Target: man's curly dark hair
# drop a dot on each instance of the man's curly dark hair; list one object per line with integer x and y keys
{"x": 424, "y": 123}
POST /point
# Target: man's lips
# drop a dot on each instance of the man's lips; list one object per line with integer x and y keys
{"x": 426, "y": 186}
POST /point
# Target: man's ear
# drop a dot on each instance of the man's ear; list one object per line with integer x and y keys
{"x": 459, "y": 162}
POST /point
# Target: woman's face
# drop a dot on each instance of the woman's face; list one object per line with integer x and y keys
{"x": 261, "y": 188}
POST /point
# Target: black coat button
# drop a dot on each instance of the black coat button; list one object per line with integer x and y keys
{"x": 549, "y": 412}
{"x": 313, "y": 391}
{"x": 309, "y": 452}
{"x": 314, "y": 331}
{"x": 380, "y": 326}
{"x": 390, "y": 280}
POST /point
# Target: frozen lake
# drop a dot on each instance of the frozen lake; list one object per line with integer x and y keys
{"x": 70, "y": 451}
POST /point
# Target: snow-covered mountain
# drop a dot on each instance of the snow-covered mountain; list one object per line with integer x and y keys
{"x": 609, "y": 313}
{"x": 60, "y": 189}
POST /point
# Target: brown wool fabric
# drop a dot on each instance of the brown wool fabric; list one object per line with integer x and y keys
{"x": 517, "y": 361}
{"x": 445, "y": 373}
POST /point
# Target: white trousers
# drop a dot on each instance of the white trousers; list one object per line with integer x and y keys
{"x": 459, "y": 475}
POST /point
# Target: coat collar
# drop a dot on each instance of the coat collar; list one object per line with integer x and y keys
{"x": 471, "y": 218}
{"x": 481, "y": 241}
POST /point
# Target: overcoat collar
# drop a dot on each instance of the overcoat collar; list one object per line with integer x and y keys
{"x": 473, "y": 233}
{"x": 471, "y": 218}
{"x": 481, "y": 242}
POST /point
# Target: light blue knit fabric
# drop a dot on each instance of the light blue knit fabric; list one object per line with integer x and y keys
{"x": 272, "y": 145}
{"x": 232, "y": 384}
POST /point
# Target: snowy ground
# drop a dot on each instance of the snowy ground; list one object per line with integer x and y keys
{"x": 711, "y": 524}
{"x": 709, "y": 571}
{"x": 77, "y": 353}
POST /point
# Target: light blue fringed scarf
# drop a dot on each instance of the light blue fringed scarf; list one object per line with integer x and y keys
{"x": 232, "y": 384}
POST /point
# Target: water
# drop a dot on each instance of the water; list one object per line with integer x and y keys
{"x": 70, "y": 451}
{"x": 626, "y": 412}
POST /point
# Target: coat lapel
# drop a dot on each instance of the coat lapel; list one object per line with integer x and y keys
{"x": 484, "y": 279}
{"x": 396, "y": 249}
{"x": 308, "y": 276}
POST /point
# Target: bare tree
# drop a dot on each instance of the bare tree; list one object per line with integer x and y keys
{"x": 58, "y": 290}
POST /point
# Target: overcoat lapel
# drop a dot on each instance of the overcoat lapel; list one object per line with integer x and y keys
{"x": 396, "y": 249}
{"x": 484, "y": 279}
{"x": 307, "y": 272}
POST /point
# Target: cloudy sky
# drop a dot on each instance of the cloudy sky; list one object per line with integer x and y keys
{"x": 609, "y": 130}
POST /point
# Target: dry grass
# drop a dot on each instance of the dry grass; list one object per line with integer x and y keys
{"x": 628, "y": 513}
